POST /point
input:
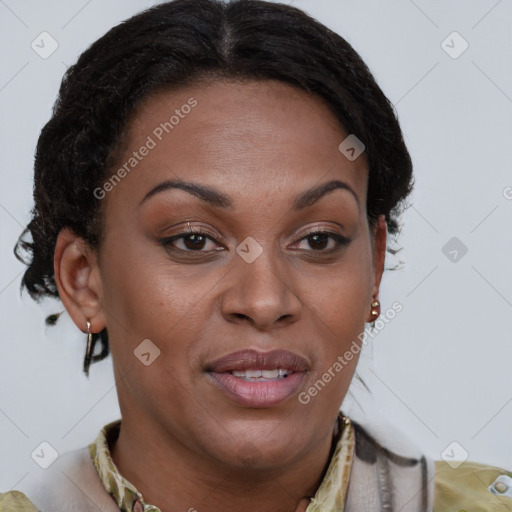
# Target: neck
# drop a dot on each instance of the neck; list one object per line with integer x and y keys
{"x": 187, "y": 481}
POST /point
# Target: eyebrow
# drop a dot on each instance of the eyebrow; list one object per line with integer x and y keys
{"x": 219, "y": 199}
{"x": 311, "y": 196}
{"x": 207, "y": 194}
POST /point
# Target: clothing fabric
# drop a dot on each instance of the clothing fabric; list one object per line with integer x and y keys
{"x": 362, "y": 476}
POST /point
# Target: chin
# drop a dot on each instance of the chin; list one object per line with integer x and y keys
{"x": 264, "y": 446}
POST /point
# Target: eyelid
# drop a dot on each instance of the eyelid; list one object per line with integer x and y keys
{"x": 183, "y": 234}
{"x": 186, "y": 228}
{"x": 326, "y": 227}
{"x": 340, "y": 240}
{"x": 334, "y": 234}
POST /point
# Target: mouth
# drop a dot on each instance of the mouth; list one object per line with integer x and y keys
{"x": 262, "y": 375}
{"x": 258, "y": 379}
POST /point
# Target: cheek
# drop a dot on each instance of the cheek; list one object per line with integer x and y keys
{"x": 341, "y": 296}
{"x": 338, "y": 303}
{"x": 148, "y": 298}
{"x": 339, "y": 313}
{"x": 153, "y": 304}
{"x": 136, "y": 284}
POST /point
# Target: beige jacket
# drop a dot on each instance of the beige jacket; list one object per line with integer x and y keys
{"x": 362, "y": 476}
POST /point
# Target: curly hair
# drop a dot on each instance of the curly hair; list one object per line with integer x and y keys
{"x": 172, "y": 45}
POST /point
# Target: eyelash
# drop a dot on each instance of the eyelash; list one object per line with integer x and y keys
{"x": 168, "y": 242}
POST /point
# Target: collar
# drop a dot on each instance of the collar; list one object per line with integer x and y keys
{"x": 331, "y": 494}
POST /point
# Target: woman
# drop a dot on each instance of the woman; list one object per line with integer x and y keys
{"x": 213, "y": 196}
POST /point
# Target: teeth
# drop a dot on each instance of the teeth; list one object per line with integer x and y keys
{"x": 261, "y": 375}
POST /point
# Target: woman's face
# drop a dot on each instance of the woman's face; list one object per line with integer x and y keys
{"x": 227, "y": 251}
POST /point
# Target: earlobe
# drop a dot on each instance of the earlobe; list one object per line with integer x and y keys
{"x": 379, "y": 257}
{"x": 78, "y": 280}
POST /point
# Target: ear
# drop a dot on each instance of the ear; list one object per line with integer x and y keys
{"x": 78, "y": 280}
{"x": 379, "y": 239}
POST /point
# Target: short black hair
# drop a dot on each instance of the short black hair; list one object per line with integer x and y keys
{"x": 179, "y": 43}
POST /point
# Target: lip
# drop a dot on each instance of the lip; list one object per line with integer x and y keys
{"x": 258, "y": 394}
{"x": 255, "y": 360}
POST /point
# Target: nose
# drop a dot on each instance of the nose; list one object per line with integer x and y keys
{"x": 261, "y": 293}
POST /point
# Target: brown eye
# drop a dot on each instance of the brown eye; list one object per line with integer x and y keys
{"x": 318, "y": 240}
{"x": 322, "y": 241}
{"x": 194, "y": 242}
{"x": 190, "y": 242}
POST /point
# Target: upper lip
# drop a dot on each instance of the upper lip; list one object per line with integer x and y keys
{"x": 255, "y": 360}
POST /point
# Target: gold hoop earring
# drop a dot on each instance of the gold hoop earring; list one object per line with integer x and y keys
{"x": 89, "y": 349}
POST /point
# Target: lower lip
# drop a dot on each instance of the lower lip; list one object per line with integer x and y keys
{"x": 258, "y": 394}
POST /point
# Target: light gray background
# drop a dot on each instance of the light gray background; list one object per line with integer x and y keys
{"x": 440, "y": 370}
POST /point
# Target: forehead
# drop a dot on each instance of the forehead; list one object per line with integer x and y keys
{"x": 240, "y": 136}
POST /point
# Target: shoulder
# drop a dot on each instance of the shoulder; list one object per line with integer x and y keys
{"x": 70, "y": 483}
{"x": 15, "y": 501}
{"x": 471, "y": 486}
{"x": 446, "y": 486}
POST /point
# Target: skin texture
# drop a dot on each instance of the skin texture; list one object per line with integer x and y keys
{"x": 262, "y": 144}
